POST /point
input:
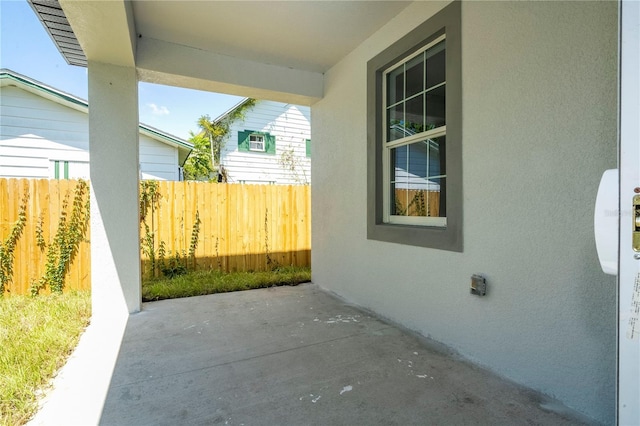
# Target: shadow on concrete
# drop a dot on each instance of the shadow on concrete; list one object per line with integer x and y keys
{"x": 298, "y": 356}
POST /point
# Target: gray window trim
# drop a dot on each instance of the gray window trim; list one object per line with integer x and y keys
{"x": 449, "y": 238}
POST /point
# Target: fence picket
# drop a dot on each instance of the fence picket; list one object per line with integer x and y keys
{"x": 242, "y": 227}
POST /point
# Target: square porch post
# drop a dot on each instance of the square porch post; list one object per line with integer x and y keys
{"x": 114, "y": 151}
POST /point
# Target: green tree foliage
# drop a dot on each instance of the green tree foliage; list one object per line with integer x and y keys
{"x": 198, "y": 166}
{"x": 204, "y": 161}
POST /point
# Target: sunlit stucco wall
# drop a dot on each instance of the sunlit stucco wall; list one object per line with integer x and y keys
{"x": 539, "y": 127}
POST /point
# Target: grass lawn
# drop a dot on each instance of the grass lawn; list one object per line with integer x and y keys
{"x": 209, "y": 282}
{"x": 37, "y": 334}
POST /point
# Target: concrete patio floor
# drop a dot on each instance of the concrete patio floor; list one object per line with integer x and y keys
{"x": 278, "y": 356}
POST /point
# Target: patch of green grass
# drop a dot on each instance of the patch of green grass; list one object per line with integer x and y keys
{"x": 37, "y": 334}
{"x": 209, "y": 282}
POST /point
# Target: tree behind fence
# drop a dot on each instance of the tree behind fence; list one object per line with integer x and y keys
{"x": 242, "y": 227}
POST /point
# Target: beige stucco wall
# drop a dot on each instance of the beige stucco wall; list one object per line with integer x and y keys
{"x": 539, "y": 127}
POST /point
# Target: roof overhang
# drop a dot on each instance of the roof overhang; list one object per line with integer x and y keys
{"x": 55, "y": 23}
{"x": 276, "y": 50}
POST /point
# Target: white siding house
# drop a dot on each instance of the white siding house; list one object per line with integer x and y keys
{"x": 44, "y": 133}
{"x": 271, "y": 145}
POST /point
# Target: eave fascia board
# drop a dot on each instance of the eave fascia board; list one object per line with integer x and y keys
{"x": 159, "y": 135}
{"x": 8, "y": 77}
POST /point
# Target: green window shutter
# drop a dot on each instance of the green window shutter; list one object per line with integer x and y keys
{"x": 270, "y": 144}
{"x": 66, "y": 170}
{"x": 243, "y": 140}
{"x": 56, "y": 169}
{"x": 308, "y": 147}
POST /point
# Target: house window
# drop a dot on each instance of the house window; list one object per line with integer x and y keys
{"x": 256, "y": 142}
{"x": 307, "y": 143}
{"x": 414, "y": 158}
{"x": 414, "y": 170}
{"x": 61, "y": 169}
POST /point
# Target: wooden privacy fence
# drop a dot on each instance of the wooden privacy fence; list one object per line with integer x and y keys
{"x": 229, "y": 227}
{"x": 414, "y": 202}
{"x": 46, "y": 204}
{"x": 241, "y": 227}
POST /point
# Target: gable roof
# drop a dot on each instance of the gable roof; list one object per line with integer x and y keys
{"x": 12, "y": 78}
{"x": 232, "y": 109}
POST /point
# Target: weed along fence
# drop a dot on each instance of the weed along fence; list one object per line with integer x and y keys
{"x": 45, "y": 235}
{"x": 229, "y": 227}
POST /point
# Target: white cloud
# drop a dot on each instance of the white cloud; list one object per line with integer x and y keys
{"x": 158, "y": 110}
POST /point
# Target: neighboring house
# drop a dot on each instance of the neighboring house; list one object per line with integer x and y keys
{"x": 44, "y": 133}
{"x": 540, "y": 99}
{"x": 271, "y": 145}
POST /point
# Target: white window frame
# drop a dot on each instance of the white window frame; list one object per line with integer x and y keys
{"x": 440, "y": 222}
{"x": 251, "y": 143}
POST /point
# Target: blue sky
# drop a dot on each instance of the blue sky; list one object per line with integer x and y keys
{"x": 26, "y": 48}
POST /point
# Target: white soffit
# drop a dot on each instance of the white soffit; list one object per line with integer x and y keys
{"x": 304, "y": 35}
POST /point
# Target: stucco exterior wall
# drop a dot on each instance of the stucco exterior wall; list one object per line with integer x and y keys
{"x": 539, "y": 128}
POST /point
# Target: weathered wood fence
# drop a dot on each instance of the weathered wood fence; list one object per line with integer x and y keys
{"x": 241, "y": 228}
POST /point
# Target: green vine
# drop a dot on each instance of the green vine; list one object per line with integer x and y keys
{"x": 195, "y": 233}
{"x": 418, "y": 202}
{"x": 149, "y": 197}
{"x": 61, "y": 252}
{"x": 209, "y": 142}
{"x": 149, "y": 201}
{"x": 161, "y": 260}
{"x": 175, "y": 266}
{"x": 271, "y": 263}
{"x": 42, "y": 244}
{"x": 8, "y": 246}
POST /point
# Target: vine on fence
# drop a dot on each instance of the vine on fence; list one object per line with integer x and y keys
{"x": 149, "y": 200}
{"x": 8, "y": 246}
{"x": 271, "y": 263}
{"x": 71, "y": 231}
{"x": 162, "y": 260}
{"x": 195, "y": 233}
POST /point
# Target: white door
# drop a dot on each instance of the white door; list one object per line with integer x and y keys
{"x": 629, "y": 257}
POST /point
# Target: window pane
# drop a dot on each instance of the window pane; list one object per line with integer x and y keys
{"x": 398, "y": 157}
{"x": 437, "y": 200}
{"x": 417, "y": 161}
{"x": 417, "y": 203}
{"x": 399, "y": 164}
{"x": 437, "y": 161}
{"x": 436, "y": 108}
{"x": 414, "y": 115}
{"x": 395, "y": 123}
{"x": 397, "y": 202}
{"x": 418, "y": 175}
{"x": 436, "y": 65}
{"x": 415, "y": 76}
{"x": 395, "y": 86}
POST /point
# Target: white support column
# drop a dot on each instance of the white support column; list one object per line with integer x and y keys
{"x": 113, "y": 148}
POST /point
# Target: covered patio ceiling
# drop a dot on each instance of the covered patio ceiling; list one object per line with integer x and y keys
{"x": 273, "y": 46}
